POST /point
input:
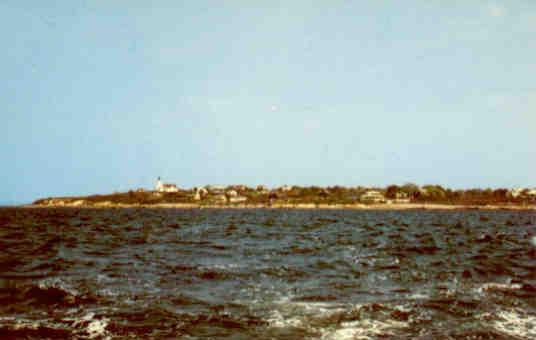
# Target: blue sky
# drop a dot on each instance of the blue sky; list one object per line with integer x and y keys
{"x": 102, "y": 96}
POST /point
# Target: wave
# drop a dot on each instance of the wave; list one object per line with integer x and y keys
{"x": 47, "y": 293}
{"x": 149, "y": 273}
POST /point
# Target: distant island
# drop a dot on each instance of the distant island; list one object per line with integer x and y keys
{"x": 407, "y": 196}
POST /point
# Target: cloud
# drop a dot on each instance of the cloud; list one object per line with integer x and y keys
{"x": 496, "y": 11}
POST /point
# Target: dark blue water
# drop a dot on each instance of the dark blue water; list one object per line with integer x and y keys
{"x": 267, "y": 274}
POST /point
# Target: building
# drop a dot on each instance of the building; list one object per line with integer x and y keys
{"x": 220, "y": 198}
{"x": 200, "y": 193}
{"x": 162, "y": 187}
{"x": 401, "y": 197}
{"x": 232, "y": 193}
{"x": 215, "y": 189}
{"x": 372, "y": 196}
{"x": 522, "y": 192}
{"x": 285, "y": 188}
{"x": 515, "y": 192}
{"x": 238, "y": 199}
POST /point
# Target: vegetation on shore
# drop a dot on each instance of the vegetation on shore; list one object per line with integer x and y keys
{"x": 336, "y": 195}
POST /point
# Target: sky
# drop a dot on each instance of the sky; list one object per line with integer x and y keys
{"x": 104, "y": 96}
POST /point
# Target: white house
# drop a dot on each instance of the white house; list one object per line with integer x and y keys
{"x": 220, "y": 198}
{"x": 401, "y": 197}
{"x": 522, "y": 192}
{"x": 238, "y": 199}
{"x": 162, "y": 187}
{"x": 215, "y": 189}
{"x": 200, "y": 193}
{"x": 515, "y": 192}
{"x": 232, "y": 193}
{"x": 285, "y": 188}
{"x": 372, "y": 196}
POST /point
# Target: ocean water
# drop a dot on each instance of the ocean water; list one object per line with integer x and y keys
{"x": 266, "y": 274}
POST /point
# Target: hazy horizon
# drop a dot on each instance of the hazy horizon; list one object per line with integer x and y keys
{"x": 102, "y": 97}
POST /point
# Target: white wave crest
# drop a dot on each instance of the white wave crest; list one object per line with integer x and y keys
{"x": 307, "y": 314}
{"x": 297, "y": 314}
{"x": 364, "y": 329}
{"x": 497, "y": 286}
{"x": 515, "y": 323}
{"x": 97, "y": 328}
{"x": 58, "y": 284}
{"x": 94, "y": 328}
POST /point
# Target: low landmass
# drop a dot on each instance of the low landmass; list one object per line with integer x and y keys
{"x": 393, "y": 197}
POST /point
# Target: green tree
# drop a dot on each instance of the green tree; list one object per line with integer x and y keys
{"x": 391, "y": 191}
{"x": 411, "y": 189}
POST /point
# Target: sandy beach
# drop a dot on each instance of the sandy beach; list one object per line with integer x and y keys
{"x": 357, "y": 206}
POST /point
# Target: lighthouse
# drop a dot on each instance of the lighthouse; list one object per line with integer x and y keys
{"x": 162, "y": 187}
{"x": 159, "y": 186}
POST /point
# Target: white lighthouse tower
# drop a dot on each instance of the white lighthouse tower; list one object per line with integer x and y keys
{"x": 159, "y": 186}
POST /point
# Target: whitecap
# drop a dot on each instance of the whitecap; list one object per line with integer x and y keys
{"x": 222, "y": 266}
{"x": 83, "y": 319}
{"x": 364, "y": 329}
{"x": 101, "y": 278}
{"x": 287, "y": 313}
{"x": 497, "y": 286}
{"x": 94, "y": 328}
{"x": 515, "y": 323}
{"x": 107, "y": 292}
{"x": 419, "y": 296}
{"x": 305, "y": 314}
{"x": 97, "y": 328}
{"x": 57, "y": 283}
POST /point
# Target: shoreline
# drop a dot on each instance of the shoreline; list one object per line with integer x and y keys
{"x": 297, "y": 206}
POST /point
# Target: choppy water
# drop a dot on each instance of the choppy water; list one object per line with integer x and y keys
{"x": 267, "y": 274}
